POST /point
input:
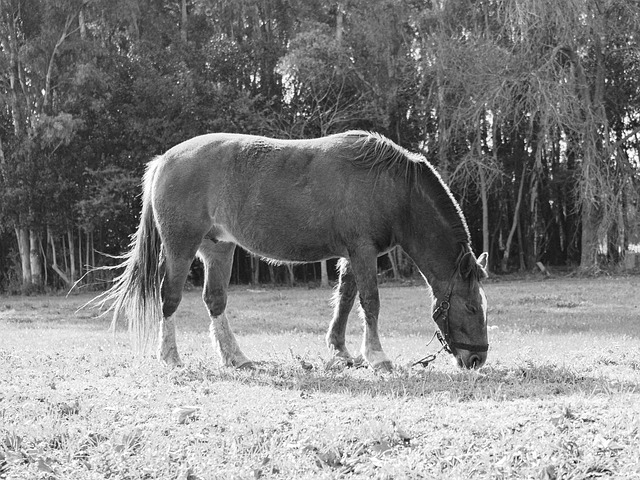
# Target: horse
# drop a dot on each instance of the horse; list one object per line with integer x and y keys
{"x": 352, "y": 196}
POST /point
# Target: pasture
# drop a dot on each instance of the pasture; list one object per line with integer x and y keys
{"x": 558, "y": 398}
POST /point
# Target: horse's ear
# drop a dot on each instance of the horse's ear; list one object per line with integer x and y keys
{"x": 483, "y": 261}
{"x": 467, "y": 264}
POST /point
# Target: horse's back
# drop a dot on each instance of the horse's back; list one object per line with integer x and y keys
{"x": 298, "y": 200}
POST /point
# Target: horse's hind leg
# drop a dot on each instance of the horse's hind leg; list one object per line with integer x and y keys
{"x": 218, "y": 259}
{"x": 175, "y": 275}
{"x": 343, "y": 300}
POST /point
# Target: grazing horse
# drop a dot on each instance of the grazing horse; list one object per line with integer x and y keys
{"x": 352, "y": 196}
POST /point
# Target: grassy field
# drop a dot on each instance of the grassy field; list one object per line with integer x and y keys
{"x": 559, "y": 397}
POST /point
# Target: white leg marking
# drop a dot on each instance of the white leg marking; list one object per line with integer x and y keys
{"x": 167, "y": 348}
{"x": 223, "y": 338}
{"x": 377, "y": 359}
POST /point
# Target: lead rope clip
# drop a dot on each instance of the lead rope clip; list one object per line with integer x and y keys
{"x": 432, "y": 356}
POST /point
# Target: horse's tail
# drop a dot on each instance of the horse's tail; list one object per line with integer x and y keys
{"x": 136, "y": 292}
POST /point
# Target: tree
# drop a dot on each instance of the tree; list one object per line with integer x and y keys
{"x": 539, "y": 71}
{"x": 32, "y": 35}
{"x": 528, "y": 108}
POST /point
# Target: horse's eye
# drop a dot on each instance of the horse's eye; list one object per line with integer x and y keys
{"x": 472, "y": 308}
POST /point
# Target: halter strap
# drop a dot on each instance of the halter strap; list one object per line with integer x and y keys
{"x": 442, "y": 310}
{"x": 444, "y": 338}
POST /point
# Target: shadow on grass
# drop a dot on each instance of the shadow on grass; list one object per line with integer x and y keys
{"x": 492, "y": 383}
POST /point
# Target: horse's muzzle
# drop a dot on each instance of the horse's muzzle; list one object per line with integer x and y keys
{"x": 470, "y": 360}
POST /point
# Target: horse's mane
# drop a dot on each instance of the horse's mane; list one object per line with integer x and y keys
{"x": 377, "y": 152}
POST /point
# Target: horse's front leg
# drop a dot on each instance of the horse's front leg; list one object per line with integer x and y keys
{"x": 343, "y": 300}
{"x": 364, "y": 267}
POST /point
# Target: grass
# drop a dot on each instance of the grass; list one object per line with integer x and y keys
{"x": 559, "y": 397}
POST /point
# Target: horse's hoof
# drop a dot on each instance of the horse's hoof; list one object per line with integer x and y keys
{"x": 345, "y": 359}
{"x": 385, "y": 366}
{"x": 336, "y": 363}
{"x": 173, "y": 362}
{"x": 246, "y": 365}
{"x": 359, "y": 362}
{"x": 173, "y": 365}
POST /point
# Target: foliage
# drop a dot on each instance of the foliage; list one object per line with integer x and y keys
{"x": 529, "y": 108}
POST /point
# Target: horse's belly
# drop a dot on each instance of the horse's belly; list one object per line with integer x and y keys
{"x": 283, "y": 244}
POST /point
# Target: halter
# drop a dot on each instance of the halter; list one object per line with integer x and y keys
{"x": 444, "y": 337}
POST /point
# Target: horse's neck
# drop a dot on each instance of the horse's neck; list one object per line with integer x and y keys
{"x": 432, "y": 239}
{"x": 437, "y": 268}
{"x": 435, "y": 255}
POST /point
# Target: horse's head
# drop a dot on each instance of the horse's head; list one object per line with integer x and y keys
{"x": 461, "y": 312}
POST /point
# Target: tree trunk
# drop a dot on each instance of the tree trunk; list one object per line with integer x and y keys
{"x": 93, "y": 251}
{"x": 393, "y": 259}
{"x": 183, "y": 22}
{"x": 514, "y": 224}
{"x": 483, "y": 182}
{"x": 292, "y": 278}
{"x": 18, "y": 106}
{"x": 34, "y": 258}
{"x": 3, "y": 161}
{"x": 594, "y": 122}
{"x": 521, "y": 252}
{"x": 64, "y": 255}
{"x": 533, "y": 252}
{"x": 80, "y": 269}
{"x": 72, "y": 255}
{"x": 485, "y": 210}
{"x": 272, "y": 274}
{"x": 22, "y": 235}
{"x": 255, "y": 270}
{"x": 588, "y": 239}
{"x": 51, "y": 64}
{"x": 54, "y": 260}
{"x": 339, "y": 23}
{"x": 324, "y": 274}
{"x": 87, "y": 254}
{"x": 82, "y": 24}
